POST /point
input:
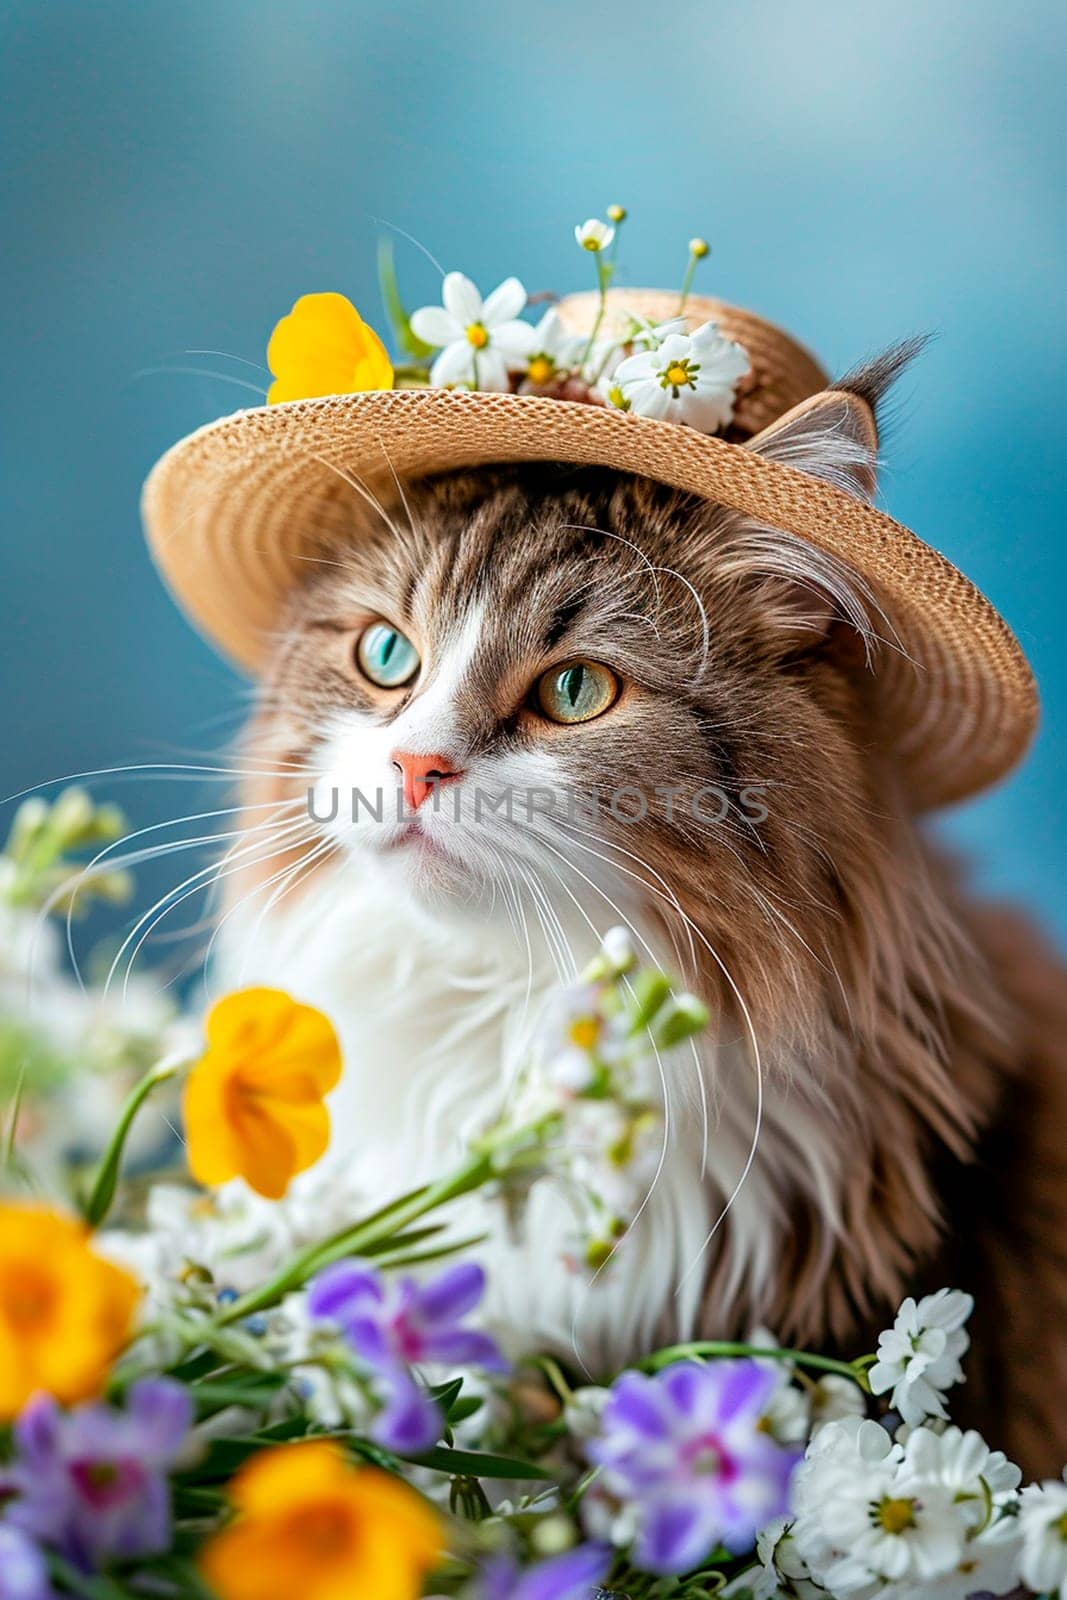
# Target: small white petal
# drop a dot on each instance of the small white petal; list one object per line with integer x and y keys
{"x": 635, "y": 369}
{"x": 515, "y": 342}
{"x": 455, "y": 364}
{"x": 491, "y": 370}
{"x": 436, "y": 326}
{"x": 650, "y": 399}
{"x": 462, "y": 299}
{"x": 505, "y": 303}
{"x": 675, "y": 347}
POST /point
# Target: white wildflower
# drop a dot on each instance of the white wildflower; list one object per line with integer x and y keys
{"x": 1043, "y": 1526}
{"x": 555, "y": 351}
{"x": 787, "y": 1417}
{"x": 480, "y": 341}
{"x": 690, "y": 378}
{"x": 864, "y": 1519}
{"x": 833, "y": 1398}
{"x": 783, "y": 1574}
{"x": 594, "y": 235}
{"x": 919, "y": 1356}
{"x": 585, "y": 1409}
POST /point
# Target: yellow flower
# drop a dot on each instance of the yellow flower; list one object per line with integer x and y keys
{"x": 65, "y": 1312}
{"x": 309, "y": 1524}
{"x": 324, "y": 347}
{"x": 253, "y": 1103}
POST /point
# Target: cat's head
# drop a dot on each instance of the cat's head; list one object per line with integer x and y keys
{"x": 590, "y": 690}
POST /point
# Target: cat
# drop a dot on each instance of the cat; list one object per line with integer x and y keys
{"x": 878, "y": 1106}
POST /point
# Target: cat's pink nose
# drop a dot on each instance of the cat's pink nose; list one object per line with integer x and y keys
{"x": 422, "y": 775}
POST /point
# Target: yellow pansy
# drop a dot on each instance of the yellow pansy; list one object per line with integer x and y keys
{"x": 309, "y": 1524}
{"x": 324, "y": 347}
{"x": 253, "y": 1104}
{"x": 65, "y": 1312}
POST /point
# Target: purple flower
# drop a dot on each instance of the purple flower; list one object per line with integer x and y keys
{"x": 23, "y": 1574}
{"x": 572, "y": 1576}
{"x": 393, "y": 1326}
{"x": 91, "y": 1483}
{"x": 685, "y": 1462}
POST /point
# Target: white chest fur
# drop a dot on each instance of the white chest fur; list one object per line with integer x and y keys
{"x": 433, "y": 1013}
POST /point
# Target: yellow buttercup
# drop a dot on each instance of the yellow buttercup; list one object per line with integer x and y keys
{"x": 310, "y": 1524}
{"x": 324, "y": 347}
{"x": 65, "y": 1312}
{"x": 253, "y": 1104}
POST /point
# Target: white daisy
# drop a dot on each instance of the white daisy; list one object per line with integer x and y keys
{"x": 554, "y": 351}
{"x": 919, "y": 1356}
{"x": 783, "y": 1575}
{"x": 690, "y": 378}
{"x": 988, "y": 1565}
{"x": 1043, "y": 1525}
{"x": 865, "y": 1519}
{"x": 480, "y": 341}
{"x": 594, "y": 235}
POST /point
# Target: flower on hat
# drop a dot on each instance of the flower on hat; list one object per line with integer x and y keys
{"x": 689, "y": 378}
{"x": 594, "y": 235}
{"x": 480, "y": 341}
{"x": 65, "y": 1312}
{"x": 310, "y": 1524}
{"x": 324, "y": 347}
{"x": 253, "y": 1105}
{"x": 555, "y": 351}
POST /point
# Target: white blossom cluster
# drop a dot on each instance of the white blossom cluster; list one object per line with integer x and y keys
{"x": 666, "y": 371}
{"x": 587, "y": 1103}
{"x": 911, "y": 1508}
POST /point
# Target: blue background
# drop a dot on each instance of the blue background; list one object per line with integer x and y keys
{"x": 178, "y": 174}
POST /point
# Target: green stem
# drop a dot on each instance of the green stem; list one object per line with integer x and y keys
{"x": 702, "y": 1348}
{"x": 102, "y": 1193}
{"x": 603, "y": 275}
{"x": 351, "y": 1241}
{"x": 83, "y": 1584}
{"x": 687, "y": 282}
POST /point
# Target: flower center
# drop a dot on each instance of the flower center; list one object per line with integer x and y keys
{"x": 679, "y": 375}
{"x": 895, "y": 1515}
{"x": 705, "y": 1458}
{"x": 326, "y": 1532}
{"x": 103, "y": 1484}
{"x": 477, "y": 335}
{"x": 27, "y": 1297}
{"x": 583, "y": 1032}
{"x": 540, "y": 369}
{"x": 1060, "y": 1527}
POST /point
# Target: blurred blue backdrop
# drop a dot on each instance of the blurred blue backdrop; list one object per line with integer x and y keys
{"x": 177, "y": 174}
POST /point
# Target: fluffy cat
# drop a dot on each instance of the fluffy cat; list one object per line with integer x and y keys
{"x": 877, "y": 1107}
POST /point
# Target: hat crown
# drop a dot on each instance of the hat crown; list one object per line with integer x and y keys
{"x": 783, "y": 372}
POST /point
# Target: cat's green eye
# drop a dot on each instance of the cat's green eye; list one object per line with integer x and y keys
{"x": 577, "y": 692}
{"x": 386, "y": 656}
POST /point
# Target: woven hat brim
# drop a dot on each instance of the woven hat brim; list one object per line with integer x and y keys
{"x": 235, "y": 512}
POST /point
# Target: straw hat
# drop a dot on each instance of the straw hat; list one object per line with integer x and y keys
{"x": 233, "y": 511}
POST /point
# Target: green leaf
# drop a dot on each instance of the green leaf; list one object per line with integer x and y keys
{"x": 102, "y": 1193}
{"x": 408, "y": 341}
{"x": 476, "y": 1464}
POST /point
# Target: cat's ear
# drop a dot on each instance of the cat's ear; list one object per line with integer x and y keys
{"x": 834, "y": 435}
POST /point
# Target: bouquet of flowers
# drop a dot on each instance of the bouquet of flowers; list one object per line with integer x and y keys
{"x": 225, "y": 1375}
